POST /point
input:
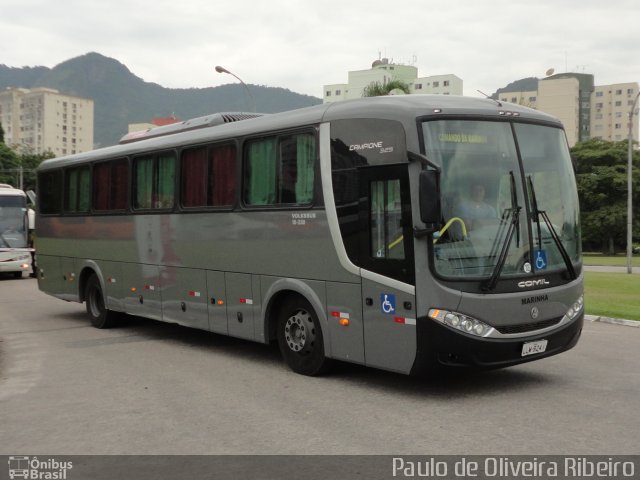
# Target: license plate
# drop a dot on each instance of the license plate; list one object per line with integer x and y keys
{"x": 532, "y": 348}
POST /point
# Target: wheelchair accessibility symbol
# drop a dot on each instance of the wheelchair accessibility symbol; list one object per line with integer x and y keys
{"x": 541, "y": 260}
{"x": 388, "y": 303}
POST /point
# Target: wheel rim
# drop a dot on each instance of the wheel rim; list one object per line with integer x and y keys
{"x": 300, "y": 332}
{"x": 95, "y": 302}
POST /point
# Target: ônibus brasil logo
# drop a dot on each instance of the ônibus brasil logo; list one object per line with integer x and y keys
{"x": 32, "y": 468}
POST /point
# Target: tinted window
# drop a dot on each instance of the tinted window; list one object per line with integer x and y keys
{"x": 50, "y": 192}
{"x": 154, "y": 181}
{"x": 110, "y": 180}
{"x": 355, "y": 144}
{"x": 280, "y": 170}
{"x": 209, "y": 176}
{"x": 78, "y": 188}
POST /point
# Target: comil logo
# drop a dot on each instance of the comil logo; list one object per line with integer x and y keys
{"x": 32, "y": 468}
{"x": 534, "y": 283}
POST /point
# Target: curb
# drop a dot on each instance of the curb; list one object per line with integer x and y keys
{"x": 613, "y": 321}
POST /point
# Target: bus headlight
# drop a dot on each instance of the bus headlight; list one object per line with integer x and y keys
{"x": 576, "y": 308}
{"x": 460, "y": 322}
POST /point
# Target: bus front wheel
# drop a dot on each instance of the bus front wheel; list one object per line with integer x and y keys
{"x": 98, "y": 313}
{"x": 300, "y": 338}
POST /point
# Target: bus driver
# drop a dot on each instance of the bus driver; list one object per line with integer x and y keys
{"x": 475, "y": 210}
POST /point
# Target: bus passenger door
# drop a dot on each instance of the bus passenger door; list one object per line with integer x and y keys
{"x": 386, "y": 256}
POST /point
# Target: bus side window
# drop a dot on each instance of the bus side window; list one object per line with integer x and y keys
{"x": 78, "y": 190}
{"x": 387, "y": 239}
{"x": 110, "y": 181}
{"x": 280, "y": 170}
{"x": 222, "y": 176}
{"x": 154, "y": 181}
{"x": 50, "y": 192}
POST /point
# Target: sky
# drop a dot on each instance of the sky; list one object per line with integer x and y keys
{"x": 303, "y": 45}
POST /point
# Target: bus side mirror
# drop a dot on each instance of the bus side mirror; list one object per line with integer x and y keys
{"x": 429, "y": 197}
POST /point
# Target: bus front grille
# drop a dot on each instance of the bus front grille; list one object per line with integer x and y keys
{"x": 528, "y": 327}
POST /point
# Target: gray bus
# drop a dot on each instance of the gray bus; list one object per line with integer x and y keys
{"x": 405, "y": 233}
{"x": 15, "y": 254}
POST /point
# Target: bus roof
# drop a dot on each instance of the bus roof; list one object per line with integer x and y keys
{"x": 404, "y": 108}
{"x": 9, "y": 191}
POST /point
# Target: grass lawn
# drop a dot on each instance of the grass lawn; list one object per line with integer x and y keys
{"x": 615, "y": 295}
{"x": 604, "y": 260}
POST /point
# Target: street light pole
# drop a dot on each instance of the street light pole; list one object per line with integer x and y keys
{"x": 629, "y": 189}
{"x": 220, "y": 69}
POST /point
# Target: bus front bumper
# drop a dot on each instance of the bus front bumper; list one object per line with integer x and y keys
{"x": 439, "y": 346}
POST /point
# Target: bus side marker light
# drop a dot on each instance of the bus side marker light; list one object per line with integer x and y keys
{"x": 344, "y": 322}
{"x": 405, "y": 320}
{"x": 134, "y": 289}
{"x": 220, "y": 302}
{"x": 194, "y": 294}
{"x": 247, "y": 301}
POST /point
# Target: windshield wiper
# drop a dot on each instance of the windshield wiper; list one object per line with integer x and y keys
{"x": 513, "y": 226}
{"x": 554, "y": 235}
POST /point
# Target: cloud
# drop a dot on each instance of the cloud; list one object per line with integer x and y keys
{"x": 303, "y": 45}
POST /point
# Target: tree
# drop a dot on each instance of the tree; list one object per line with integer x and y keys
{"x": 377, "y": 89}
{"x": 30, "y": 162}
{"x": 9, "y": 164}
{"x": 601, "y": 175}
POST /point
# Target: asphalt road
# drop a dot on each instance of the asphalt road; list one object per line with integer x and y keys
{"x": 152, "y": 388}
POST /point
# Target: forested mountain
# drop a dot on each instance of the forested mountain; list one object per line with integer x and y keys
{"x": 121, "y": 98}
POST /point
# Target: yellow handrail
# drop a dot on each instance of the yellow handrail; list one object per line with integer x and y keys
{"x": 396, "y": 241}
{"x": 448, "y": 224}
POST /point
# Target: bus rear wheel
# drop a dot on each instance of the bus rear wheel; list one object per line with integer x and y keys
{"x": 98, "y": 313}
{"x": 300, "y": 338}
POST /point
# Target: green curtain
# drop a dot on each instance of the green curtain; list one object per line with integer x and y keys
{"x": 144, "y": 182}
{"x": 71, "y": 201}
{"x": 306, "y": 155}
{"x": 84, "y": 190}
{"x": 261, "y": 172}
{"x": 165, "y": 187}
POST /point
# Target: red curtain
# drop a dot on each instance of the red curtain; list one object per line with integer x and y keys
{"x": 101, "y": 186}
{"x": 119, "y": 183}
{"x": 222, "y": 183}
{"x": 194, "y": 173}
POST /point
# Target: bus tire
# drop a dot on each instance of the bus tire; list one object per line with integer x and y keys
{"x": 300, "y": 338}
{"x": 94, "y": 299}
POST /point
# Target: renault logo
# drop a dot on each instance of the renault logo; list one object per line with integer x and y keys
{"x": 535, "y": 312}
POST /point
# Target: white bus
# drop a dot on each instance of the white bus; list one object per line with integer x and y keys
{"x": 15, "y": 255}
{"x": 404, "y": 233}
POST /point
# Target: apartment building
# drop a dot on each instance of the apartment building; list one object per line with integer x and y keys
{"x": 610, "y": 107}
{"x": 586, "y": 111}
{"x": 383, "y": 71}
{"x": 43, "y": 119}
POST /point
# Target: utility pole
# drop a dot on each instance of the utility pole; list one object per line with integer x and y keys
{"x": 629, "y": 189}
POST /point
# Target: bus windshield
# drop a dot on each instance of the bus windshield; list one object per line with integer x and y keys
{"x": 494, "y": 219}
{"x": 13, "y": 233}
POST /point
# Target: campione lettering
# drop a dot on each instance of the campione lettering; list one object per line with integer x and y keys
{"x": 365, "y": 146}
